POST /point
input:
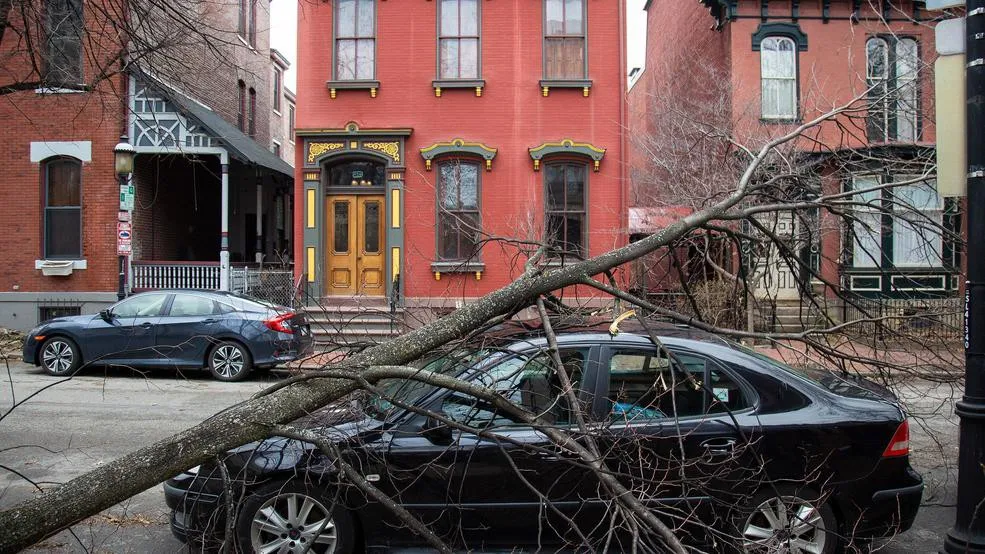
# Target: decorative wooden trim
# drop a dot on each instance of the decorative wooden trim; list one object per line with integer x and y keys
{"x": 584, "y": 84}
{"x": 567, "y": 146}
{"x": 390, "y": 149}
{"x": 313, "y": 176}
{"x": 352, "y": 129}
{"x": 789, "y": 30}
{"x": 334, "y": 86}
{"x": 458, "y": 146}
{"x": 316, "y": 149}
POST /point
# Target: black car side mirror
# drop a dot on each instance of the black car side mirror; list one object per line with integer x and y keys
{"x": 436, "y": 431}
{"x": 107, "y": 315}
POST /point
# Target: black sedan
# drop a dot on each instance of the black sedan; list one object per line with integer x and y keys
{"x": 228, "y": 333}
{"x": 732, "y": 449}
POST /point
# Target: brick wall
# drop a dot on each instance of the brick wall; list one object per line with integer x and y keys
{"x": 511, "y": 115}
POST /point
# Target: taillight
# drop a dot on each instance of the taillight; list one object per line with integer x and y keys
{"x": 900, "y": 443}
{"x": 280, "y": 323}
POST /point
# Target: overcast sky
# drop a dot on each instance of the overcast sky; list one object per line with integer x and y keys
{"x": 284, "y": 19}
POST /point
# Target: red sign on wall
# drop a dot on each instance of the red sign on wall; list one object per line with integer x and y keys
{"x": 124, "y": 238}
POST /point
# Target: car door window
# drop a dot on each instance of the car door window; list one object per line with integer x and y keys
{"x": 145, "y": 305}
{"x": 643, "y": 385}
{"x": 186, "y": 305}
{"x": 528, "y": 381}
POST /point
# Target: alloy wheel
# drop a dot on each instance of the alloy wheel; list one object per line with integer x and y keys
{"x": 57, "y": 356}
{"x": 785, "y": 524}
{"x": 228, "y": 361}
{"x": 292, "y": 522}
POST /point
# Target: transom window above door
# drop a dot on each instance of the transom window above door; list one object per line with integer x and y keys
{"x": 458, "y": 39}
{"x": 357, "y": 174}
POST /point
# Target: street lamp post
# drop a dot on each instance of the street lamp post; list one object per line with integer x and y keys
{"x": 123, "y": 153}
{"x": 968, "y": 534}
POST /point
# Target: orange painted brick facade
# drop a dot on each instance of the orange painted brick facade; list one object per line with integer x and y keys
{"x": 511, "y": 115}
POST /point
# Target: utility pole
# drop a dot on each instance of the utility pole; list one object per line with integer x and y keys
{"x": 968, "y": 534}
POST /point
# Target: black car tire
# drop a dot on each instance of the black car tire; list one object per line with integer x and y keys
{"x": 757, "y": 519}
{"x": 255, "y": 529}
{"x": 60, "y": 356}
{"x": 230, "y": 361}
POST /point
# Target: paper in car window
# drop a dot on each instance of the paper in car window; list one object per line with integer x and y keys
{"x": 721, "y": 394}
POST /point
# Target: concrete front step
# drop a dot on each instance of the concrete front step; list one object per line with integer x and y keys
{"x": 346, "y": 324}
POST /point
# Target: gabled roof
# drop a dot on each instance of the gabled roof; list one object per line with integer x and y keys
{"x": 240, "y": 146}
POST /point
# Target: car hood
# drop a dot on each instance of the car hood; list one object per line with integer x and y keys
{"x": 280, "y": 453}
{"x": 68, "y": 320}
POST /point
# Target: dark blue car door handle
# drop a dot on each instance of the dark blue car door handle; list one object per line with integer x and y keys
{"x": 147, "y": 325}
{"x": 209, "y": 320}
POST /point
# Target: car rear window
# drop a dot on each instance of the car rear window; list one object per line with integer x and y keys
{"x": 248, "y": 303}
{"x": 802, "y": 373}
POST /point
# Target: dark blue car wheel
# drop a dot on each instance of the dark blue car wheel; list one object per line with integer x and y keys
{"x": 59, "y": 356}
{"x": 230, "y": 361}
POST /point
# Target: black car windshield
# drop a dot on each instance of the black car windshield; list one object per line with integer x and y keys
{"x": 409, "y": 391}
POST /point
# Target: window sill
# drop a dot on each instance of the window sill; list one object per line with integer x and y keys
{"x": 276, "y": 112}
{"x": 371, "y": 85}
{"x": 780, "y": 121}
{"x": 59, "y": 90}
{"x": 440, "y": 267}
{"x": 76, "y": 264}
{"x": 584, "y": 84}
{"x": 441, "y": 84}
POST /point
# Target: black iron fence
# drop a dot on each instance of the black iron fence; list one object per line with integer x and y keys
{"x": 886, "y": 318}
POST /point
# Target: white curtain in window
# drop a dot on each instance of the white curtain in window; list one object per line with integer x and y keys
{"x": 907, "y": 67}
{"x": 778, "y": 65}
{"x": 918, "y": 215}
{"x": 867, "y": 229}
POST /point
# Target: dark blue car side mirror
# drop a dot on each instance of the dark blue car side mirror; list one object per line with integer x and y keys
{"x": 107, "y": 315}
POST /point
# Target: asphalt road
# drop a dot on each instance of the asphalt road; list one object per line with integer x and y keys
{"x": 99, "y": 415}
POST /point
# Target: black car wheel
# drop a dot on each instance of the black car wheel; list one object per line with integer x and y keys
{"x": 229, "y": 361}
{"x": 291, "y": 516}
{"x": 60, "y": 356}
{"x": 786, "y": 520}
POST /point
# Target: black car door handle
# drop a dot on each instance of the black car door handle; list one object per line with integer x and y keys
{"x": 718, "y": 447}
{"x": 147, "y": 325}
{"x": 209, "y": 320}
{"x": 547, "y": 456}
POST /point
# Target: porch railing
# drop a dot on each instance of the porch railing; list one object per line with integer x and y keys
{"x": 149, "y": 275}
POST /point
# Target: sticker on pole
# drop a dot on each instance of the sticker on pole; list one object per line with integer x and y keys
{"x": 124, "y": 238}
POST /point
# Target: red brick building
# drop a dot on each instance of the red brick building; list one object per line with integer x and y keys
{"x": 429, "y": 130}
{"x": 199, "y": 123}
{"x": 769, "y": 66}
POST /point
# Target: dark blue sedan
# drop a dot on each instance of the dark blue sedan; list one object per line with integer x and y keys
{"x": 229, "y": 333}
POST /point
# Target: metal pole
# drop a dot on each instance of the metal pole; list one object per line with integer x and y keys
{"x": 968, "y": 534}
{"x": 121, "y": 290}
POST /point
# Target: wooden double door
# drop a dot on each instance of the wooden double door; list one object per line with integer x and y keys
{"x": 355, "y": 245}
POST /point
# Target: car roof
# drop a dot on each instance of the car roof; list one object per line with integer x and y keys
{"x": 520, "y": 334}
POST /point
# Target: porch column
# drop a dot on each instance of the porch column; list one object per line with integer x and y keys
{"x": 224, "y": 241}
{"x": 259, "y": 224}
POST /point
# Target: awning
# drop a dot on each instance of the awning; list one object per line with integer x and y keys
{"x": 240, "y": 146}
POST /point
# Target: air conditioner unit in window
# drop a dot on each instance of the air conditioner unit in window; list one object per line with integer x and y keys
{"x": 57, "y": 268}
